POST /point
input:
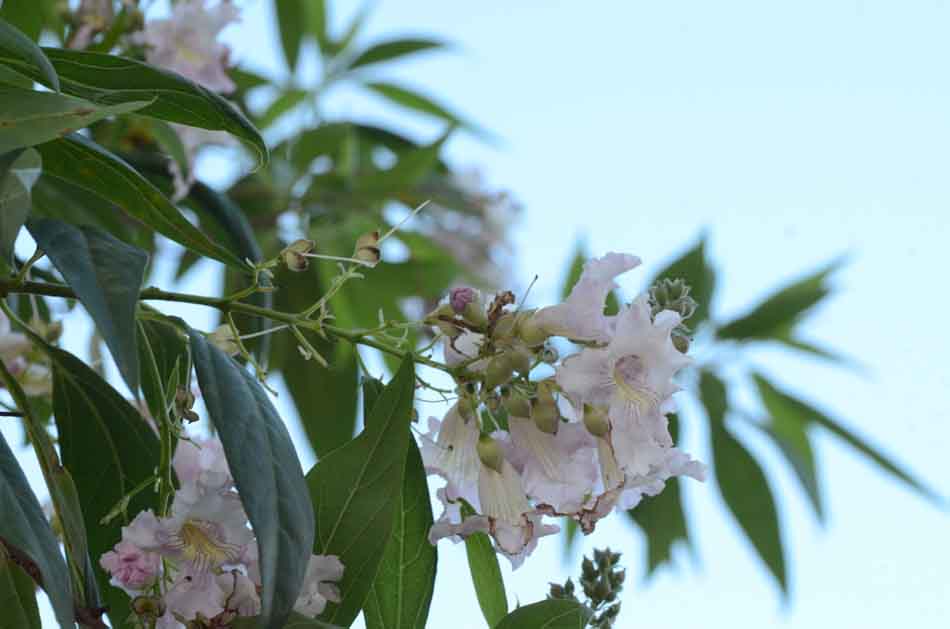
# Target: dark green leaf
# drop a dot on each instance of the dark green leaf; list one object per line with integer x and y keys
{"x": 356, "y": 489}
{"x": 292, "y": 22}
{"x": 661, "y": 517}
{"x": 19, "y": 170}
{"x": 24, "y": 527}
{"x": 107, "y": 275}
{"x": 693, "y": 267}
{"x": 412, "y": 99}
{"x": 486, "y": 577}
{"x": 111, "y": 80}
{"x": 742, "y": 483}
{"x": 549, "y": 614}
{"x": 17, "y": 597}
{"x": 15, "y": 44}
{"x": 266, "y": 472}
{"x": 91, "y": 416}
{"x": 788, "y": 430}
{"x": 403, "y": 587}
{"x": 28, "y": 117}
{"x": 797, "y": 410}
{"x": 777, "y": 314}
{"x": 167, "y": 345}
{"x": 393, "y": 49}
{"x": 84, "y": 163}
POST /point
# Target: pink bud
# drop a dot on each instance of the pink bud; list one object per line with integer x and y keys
{"x": 462, "y": 297}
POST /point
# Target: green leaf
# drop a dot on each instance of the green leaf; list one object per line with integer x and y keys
{"x": 549, "y": 614}
{"x": 777, "y": 314}
{"x": 15, "y": 44}
{"x": 284, "y": 103}
{"x": 266, "y": 472}
{"x": 356, "y": 489}
{"x": 28, "y": 117}
{"x": 412, "y": 167}
{"x": 742, "y": 483}
{"x": 662, "y": 518}
{"x": 796, "y": 410}
{"x": 112, "y": 80}
{"x": 787, "y": 428}
{"x": 292, "y": 22}
{"x": 412, "y": 99}
{"x": 693, "y": 267}
{"x": 107, "y": 275}
{"x": 91, "y": 416}
{"x": 24, "y": 527}
{"x": 393, "y": 49}
{"x": 486, "y": 577}
{"x": 19, "y": 170}
{"x": 402, "y": 591}
{"x": 84, "y": 163}
{"x": 165, "y": 344}
{"x": 17, "y": 597}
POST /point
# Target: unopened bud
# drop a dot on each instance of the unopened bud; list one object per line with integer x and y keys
{"x": 367, "y": 248}
{"x": 294, "y": 256}
{"x": 681, "y": 343}
{"x": 148, "y": 607}
{"x": 438, "y": 318}
{"x": 460, "y": 298}
{"x": 223, "y": 338}
{"x": 505, "y": 327}
{"x": 530, "y": 331}
{"x": 521, "y": 358}
{"x": 490, "y": 453}
{"x": 595, "y": 421}
{"x": 517, "y": 405}
{"x": 544, "y": 411}
{"x": 498, "y": 371}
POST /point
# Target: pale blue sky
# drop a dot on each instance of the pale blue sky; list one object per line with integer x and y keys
{"x": 794, "y": 132}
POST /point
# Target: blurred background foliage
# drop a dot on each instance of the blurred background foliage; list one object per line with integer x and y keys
{"x": 332, "y": 179}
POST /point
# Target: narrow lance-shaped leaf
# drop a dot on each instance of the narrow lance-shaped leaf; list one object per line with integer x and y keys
{"x": 776, "y": 314}
{"x": 19, "y": 170}
{"x": 402, "y": 591}
{"x": 266, "y": 472}
{"x": 28, "y": 117}
{"x": 356, "y": 491}
{"x": 84, "y": 163}
{"x": 742, "y": 483}
{"x": 486, "y": 577}
{"x": 293, "y": 23}
{"x": 17, "y": 597}
{"x": 393, "y": 49}
{"x": 416, "y": 101}
{"x": 113, "y": 80}
{"x": 16, "y": 45}
{"x": 106, "y": 275}
{"x": 549, "y": 614}
{"x": 24, "y": 527}
{"x": 805, "y": 413}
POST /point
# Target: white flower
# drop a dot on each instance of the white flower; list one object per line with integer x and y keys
{"x": 581, "y": 316}
{"x": 319, "y": 585}
{"x": 240, "y": 593}
{"x": 186, "y": 42}
{"x": 201, "y": 463}
{"x": 464, "y": 347}
{"x": 453, "y": 454}
{"x": 559, "y": 470}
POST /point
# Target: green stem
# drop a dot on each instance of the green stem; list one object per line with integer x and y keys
{"x": 224, "y": 305}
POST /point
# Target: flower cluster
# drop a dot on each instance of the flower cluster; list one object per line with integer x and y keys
{"x": 200, "y": 562}
{"x": 590, "y": 438}
{"x": 16, "y": 352}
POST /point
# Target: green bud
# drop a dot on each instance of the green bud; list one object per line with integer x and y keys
{"x": 490, "y": 453}
{"x": 596, "y": 421}
{"x": 544, "y": 411}
{"x": 498, "y": 371}
{"x": 530, "y": 331}
{"x": 680, "y": 342}
{"x": 517, "y": 405}
{"x": 521, "y": 359}
{"x": 505, "y": 327}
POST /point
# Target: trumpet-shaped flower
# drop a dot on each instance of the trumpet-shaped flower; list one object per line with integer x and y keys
{"x": 453, "y": 455}
{"x": 581, "y": 316}
{"x": 319, "y": 585}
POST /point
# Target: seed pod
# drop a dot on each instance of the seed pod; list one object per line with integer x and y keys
{"x": 367, "y": 248}
{"x": 294, "y": 256}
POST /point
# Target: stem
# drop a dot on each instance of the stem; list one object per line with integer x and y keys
{"x": 49, "y": 289}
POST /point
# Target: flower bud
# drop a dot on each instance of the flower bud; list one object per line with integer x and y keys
{"x": 505, "y": 327}
{"x": 521, "y": 359}
{"x": 530, "y": 331}
{"x": 438, "y": 318}
{"x": 596, "y": 421}
{"x": 680, "y": 342}
{"x": 490, "y": 453}
{"x": 544, "y": 410}
{"x": 498, "y": 371}
{"x": 149, "y": 607}
{"x": 460, "y": 298}
{"x": 367, "y": 248}
{"x": 517, "y": 405}
{"x": 223, "y": 338}
{"x": 294, "y": 256}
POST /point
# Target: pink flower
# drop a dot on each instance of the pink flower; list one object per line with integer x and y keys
{"x": 131, "y": 568}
